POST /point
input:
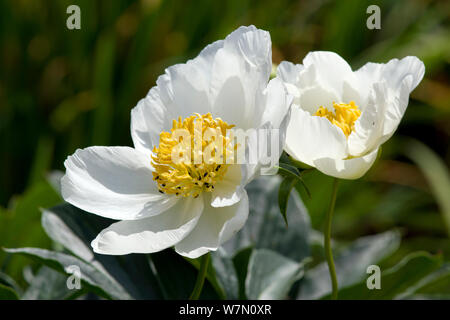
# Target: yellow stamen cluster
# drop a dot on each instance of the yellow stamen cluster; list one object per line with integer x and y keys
{"x": 344, "y": 116}
{"x": 201, "y": 155}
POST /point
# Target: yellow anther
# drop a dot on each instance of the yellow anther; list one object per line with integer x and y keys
{"x": 344, "y": 116}
{"x": 202, "y": 148}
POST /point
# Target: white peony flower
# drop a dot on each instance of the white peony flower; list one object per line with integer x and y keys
{"x": 193, "y": 207}
{"x": 339, "y": 117}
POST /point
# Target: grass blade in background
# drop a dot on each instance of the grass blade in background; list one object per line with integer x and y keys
{"x": 351, "y": 264}
{"x": 435, "y": 171}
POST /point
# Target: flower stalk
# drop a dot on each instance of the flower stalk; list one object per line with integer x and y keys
{"x": 204, "y": 262}
{"x": 327, "y": 244}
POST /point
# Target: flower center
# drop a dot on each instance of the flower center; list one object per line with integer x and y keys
{"x": 344, "y": 116}
{"x": 190, "y": 158}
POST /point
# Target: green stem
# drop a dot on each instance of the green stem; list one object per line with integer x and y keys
{"x": 204, "y": 261}
{"x": 328, "y": 252}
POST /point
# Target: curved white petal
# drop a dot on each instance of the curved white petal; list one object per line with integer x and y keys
{"x": 350, "y": 92}
{"x": 331, "y": 69}
{"x": 311, "y": 137}
{"x": 366, "y": 76}
{"x": 240, "y": 73}
{"x": 369, "y": 126}
{"x": 393, "y": 73}
{"x": 263, "y": 148}
{"x": 151, "y": 234}
{"x": 254, "y": 46}
{"x": 190, "y": 89}
{"x": 229, "y": 190}
{"x": 277, "y": 104}
{"x": 353, "y": 168}
{"x": 396, "y": 71}
{"x": 312, "y": 98}
{"x": 113, "y": 182}
{"x": 215, "y": 226}
{"x": 148, "y": 120}
{"x": 181, "y": 97}
{"x": 182, "y": 91}
{"x": 396, "y": 107}
{"x": 402, "y": 76}
{"x": 289, "y": 72}
{"x": 230, "y": 104}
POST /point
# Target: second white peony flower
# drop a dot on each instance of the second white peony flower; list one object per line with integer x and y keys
{"x": 194, "y": 207}
{"x": 340, "y": 118}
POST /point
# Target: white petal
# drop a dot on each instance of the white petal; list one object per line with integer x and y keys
{"x": 393, "y": 73}
{"x": 240, "y": 73}
{"x": 369, "y": 126}
{"x": 308, "y": 76}
{"x": 312, "y": 98}
{"x": 331, "y": 69}
{"x": 311, "y": 137}
{"x": 396, "y": 71}
{"x": 366, "y": 76}
{"x": 396, "y": 107}
{"x": 148, "y": 120}
{"x": 350, "y": 92}
{"x": 229, "y": 190}
{"x": 230, "y": 103}
{"x": 215, "y": 226}
{"x": 264, "y": 146}
{"x": 277, "y": 103}
{"x": 113, "y": 182}
{"x": 151, "y": 234}
{"x": 181, "y": 97}
{"x": 255, "y": 46}
{"x": 402, "y": 76}
{"x": 289, "y": 72}
{"x": 190, "y": 89}
{"x": 353, "y": 168}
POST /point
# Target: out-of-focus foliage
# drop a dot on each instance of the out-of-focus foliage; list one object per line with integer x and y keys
{"x": 61, "y": 90}
{"x": 263, "y": 262}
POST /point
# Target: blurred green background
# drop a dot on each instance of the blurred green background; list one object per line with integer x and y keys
{"x": 65, "y": 89}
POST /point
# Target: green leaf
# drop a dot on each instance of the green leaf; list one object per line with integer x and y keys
{"x": 99, "y": 282}
{"x": 266, "y": 229}
{"x": 61, "y": 229}
{"x": 7, "y": 293}
{"x": 288, "y": 170}
{"x": 240, "y": 261}
{"x": 396, "y": 280}
{"x": 75, "y": 229}
{"x": 24, "y": 215}
{"x": 177, "y": 276}
{"x": 226, "y": 273}
{"x": 211, "y": 276}
{"x": 10, "y": 282}
{"x": 434, "y": 284}
{"x": 351, "y": 264}
{"x": 436, "y": 173}
{"x": 221, "y": 274}
{"x": 164, "y": 274}
{"x": 47, "y": 284}
{"x": 270, "y": 275}
{"x": 286, "y": 187}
